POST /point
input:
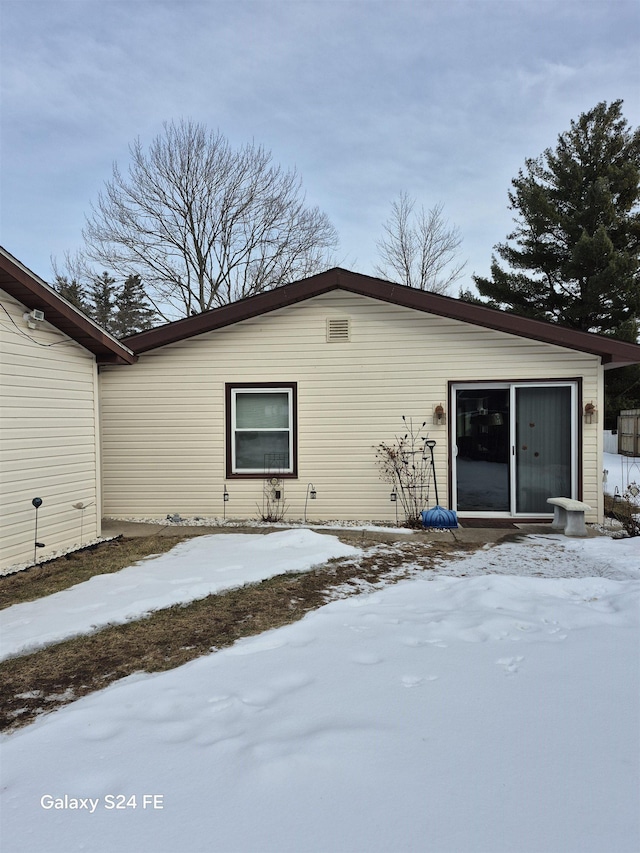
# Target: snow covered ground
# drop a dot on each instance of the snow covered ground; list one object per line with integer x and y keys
{"x": 619, "y": 472}
{"x": 493, "y": 706}
{"x": 194, "y": 569}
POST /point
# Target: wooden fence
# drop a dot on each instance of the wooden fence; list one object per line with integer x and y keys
{"x": 629, "y": 432}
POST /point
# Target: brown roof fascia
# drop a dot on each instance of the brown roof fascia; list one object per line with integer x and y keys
{"x": 33, "y": 292}
{"x": 243, "y": 309}
{"x": 613, "y": 353}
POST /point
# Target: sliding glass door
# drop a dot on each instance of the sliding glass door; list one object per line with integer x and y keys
{"x": 543, "y": 455}
{"x": 514, "y": 446}
{"x": 483, "y": 447}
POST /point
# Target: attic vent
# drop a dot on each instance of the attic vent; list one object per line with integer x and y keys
{"x": 338, "y": 330}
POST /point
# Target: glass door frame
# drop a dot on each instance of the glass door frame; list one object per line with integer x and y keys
{"x": 576, "y": 395}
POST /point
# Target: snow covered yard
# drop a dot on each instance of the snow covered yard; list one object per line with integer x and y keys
{"x": 215, "y": 563}
{"x": 619, "y": 472}
{"x": 493, "y": 706}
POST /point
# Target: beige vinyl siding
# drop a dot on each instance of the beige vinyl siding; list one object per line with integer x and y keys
{"x": 163, "y": 419}
{"x": 48, "y": 438}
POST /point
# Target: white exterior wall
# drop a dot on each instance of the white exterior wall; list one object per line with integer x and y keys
{"x": 163, "y": 418}
{"x": 48, "y": 438}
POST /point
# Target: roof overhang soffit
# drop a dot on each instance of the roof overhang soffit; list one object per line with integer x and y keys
{"x": 612, "y": 352}
{"x": 31, "y": 291}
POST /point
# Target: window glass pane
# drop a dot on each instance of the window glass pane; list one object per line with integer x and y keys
{"x": 254, "y": 450}
{"x": 543, "y": 447}
{"x": 482, "y": 438}
{"x": 262, "y": 410}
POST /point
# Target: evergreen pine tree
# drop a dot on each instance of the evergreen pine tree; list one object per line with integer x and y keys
{"x": 120, "y": 309}
{"x": 73, "y": 292}
{"x": 134, "y": 313}
{"x": 103, "y": 295}
{"x": 574, "y": 253}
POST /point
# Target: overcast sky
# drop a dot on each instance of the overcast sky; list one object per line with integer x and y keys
{"x": 444, "y": 100}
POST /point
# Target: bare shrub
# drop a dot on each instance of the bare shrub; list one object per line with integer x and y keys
{"x": 406, "y": 466}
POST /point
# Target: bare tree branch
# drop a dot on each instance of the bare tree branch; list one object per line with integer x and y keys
{"x": 420, "y": 249}
{"x": 203, "y": 224}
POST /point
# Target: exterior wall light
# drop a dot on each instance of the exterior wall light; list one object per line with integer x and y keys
{"x": 37, "y": 503}
{"x": 393, "y": 497}
{"x": 439, "y": 415}
{"x": 590, "y": 413}
{"x": 311, "y": 493}
{"x": 34, "y": 318}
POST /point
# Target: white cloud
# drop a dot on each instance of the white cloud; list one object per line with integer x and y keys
{"x": 365, "y": 98}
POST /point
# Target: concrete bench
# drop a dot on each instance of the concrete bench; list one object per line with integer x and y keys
{"x": 568, "y": 515}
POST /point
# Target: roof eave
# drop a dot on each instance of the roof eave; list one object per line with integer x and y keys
{"x": 30, "y": 290}
{"x": 244, "y": 309}
{"x": 612, "y": 352}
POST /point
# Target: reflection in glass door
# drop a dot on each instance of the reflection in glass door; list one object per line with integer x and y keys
{"x": 543, "y": 446}
{"x": 515, "y": 447}
{"x": 482, "y": 442}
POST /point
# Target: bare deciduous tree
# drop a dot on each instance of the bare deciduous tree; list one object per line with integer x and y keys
{"x": 421, "y": 249}
{"x": 203, "y": 224}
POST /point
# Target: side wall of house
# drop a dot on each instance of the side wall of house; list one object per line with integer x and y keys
{"x": 163, "y": 419}
{"x": 48, "y": 438}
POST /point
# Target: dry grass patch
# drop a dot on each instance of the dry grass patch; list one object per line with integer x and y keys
{"x": 39, "y": 682}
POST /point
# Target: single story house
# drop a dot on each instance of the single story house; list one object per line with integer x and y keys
{"x": 253, "y": 405}
{"x": 49, "y": 421}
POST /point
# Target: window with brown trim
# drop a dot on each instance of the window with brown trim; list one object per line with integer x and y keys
{"x": 261, "y": 425}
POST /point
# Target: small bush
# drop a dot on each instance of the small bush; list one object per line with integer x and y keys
{"x": 626, "y": 510}
{"x": 406, "y": 466}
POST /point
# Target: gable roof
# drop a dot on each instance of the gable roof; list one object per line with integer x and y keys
{"x": 33, "y": 292}
{"x": 612, "y": 352}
